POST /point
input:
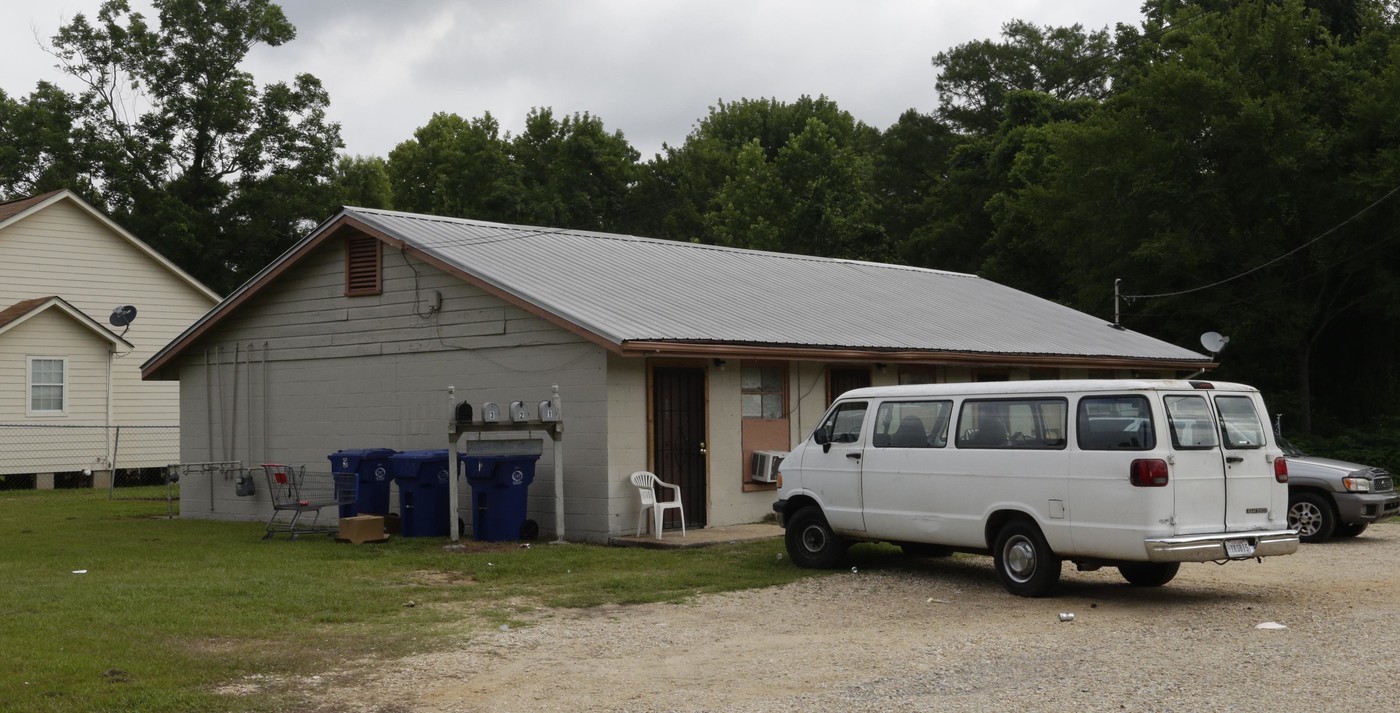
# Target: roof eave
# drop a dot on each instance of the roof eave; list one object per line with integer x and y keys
{"x": 641, "y": 348}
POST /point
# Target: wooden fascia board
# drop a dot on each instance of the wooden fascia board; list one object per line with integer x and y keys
{"x": 490, "y": 288}
{"x": 658, "y": 348}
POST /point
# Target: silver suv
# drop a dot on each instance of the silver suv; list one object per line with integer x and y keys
{"x": 1328, "y": 498}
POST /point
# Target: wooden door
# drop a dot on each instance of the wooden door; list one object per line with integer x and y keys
{"x": 678, "y": 439}
{"x": 844, "y": 379}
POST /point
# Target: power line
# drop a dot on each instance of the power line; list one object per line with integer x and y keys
{"x": 1257, "y": 268}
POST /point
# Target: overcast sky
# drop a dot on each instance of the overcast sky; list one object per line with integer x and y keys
{"x": 650, "y": 68}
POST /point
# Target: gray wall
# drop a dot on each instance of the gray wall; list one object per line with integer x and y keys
{"x": 301, "y": 371}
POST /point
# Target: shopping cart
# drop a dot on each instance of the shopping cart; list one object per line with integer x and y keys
{"x": 292, "y": 498}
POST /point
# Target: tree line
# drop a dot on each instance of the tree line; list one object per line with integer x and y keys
{"x": 1230, "y": 165}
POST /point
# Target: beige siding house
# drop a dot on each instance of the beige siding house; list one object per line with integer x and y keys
{"x": 678, "y": 358}
{"x": 68, "y": 377}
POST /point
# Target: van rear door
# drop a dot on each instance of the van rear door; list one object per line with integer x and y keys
{"x": 1197, "y": 464}
{"x": 1249, "y": 471}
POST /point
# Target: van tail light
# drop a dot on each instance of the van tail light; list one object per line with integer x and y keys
{"x": 1281, "y": 469}
{"x": 1148, "y": 473}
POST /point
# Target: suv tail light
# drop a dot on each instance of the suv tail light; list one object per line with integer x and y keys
{"x": 1148, "y": 473}
{"x": 1281, "y": 469}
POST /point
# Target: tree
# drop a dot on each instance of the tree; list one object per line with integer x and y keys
{"x": 975, "y": 78}
{"x": 41, "y": 144}
{"x": 455, "y": 167}
{"x": 573, "y": 173}
{"x": 1229, "y": 180}
{"x": 215, "y": 173}
{"x": 777, "y": 150}
{"x": 361, "y": 181}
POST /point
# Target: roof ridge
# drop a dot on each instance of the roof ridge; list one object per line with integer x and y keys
{"x": 533, "y": 231}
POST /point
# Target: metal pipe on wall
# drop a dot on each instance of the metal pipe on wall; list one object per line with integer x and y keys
{"x": 248, "y": 393}
{"x": 266, "y": 411}
{"x": 209, "y": 421}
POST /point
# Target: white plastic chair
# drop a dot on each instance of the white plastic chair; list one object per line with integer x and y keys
{"x": 646, "y": 487}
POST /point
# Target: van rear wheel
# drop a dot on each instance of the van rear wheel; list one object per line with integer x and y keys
{"x": 1024, "y": 561}
{"x": 811, "y": 542}
{"x": 1149, "y": 574}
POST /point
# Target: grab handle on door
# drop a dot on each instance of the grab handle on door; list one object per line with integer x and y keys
{"x": 853, "y": 456}
{"x": 1233, "y": 459}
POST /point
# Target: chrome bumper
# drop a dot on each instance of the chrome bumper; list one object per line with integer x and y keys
{"x": 1211, "y": 547}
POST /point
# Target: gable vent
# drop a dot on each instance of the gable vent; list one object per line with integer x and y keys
{"x": 362, "y": 269}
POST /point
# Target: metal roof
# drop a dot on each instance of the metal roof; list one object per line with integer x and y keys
{"x": 643, "y": 295}
{"x": 627, "y": 288}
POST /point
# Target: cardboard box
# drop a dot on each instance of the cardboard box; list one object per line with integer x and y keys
{"x": 361, "y": 528}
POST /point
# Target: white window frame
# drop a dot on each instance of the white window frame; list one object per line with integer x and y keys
{"x": 29, "y": 387}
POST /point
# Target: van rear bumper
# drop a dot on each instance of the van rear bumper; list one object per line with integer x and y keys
{"x": 1211, "y": 547}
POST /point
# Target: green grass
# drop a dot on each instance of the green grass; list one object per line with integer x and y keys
{"x": 169, "y": 610}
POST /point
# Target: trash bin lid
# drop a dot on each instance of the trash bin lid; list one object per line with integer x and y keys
{"x": 363, "y": 453}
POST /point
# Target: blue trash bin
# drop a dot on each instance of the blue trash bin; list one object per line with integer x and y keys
{"x": 425, "y": 508}
{"x": 372, "y": 478}
{"x": 500, "y": 487}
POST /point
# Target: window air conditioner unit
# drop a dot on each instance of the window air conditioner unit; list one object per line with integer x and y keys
{"x": 763, "y": 467}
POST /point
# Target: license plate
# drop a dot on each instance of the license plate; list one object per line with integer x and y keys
{"x": 1235, "y": 549}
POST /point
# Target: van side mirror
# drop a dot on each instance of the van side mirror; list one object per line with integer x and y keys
{"x": 823, "y": 439}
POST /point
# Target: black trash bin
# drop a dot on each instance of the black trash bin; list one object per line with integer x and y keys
{"x": 372, "y": 478}
{"x": 425, "y": 507}
{"x": 500, "y": 484}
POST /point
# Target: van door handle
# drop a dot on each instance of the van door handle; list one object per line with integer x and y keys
{"x": 1233, "y": 459}
{"x": 853, "y": 456}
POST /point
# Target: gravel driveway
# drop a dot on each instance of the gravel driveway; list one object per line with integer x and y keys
{"x": 942, "y": 635}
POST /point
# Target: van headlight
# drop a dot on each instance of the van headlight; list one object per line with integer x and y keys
{"x": 1354, "y": 484}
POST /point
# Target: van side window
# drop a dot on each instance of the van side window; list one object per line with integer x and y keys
{"x": 1191, "y": 422}
{"x": 1013, "y": 423}
{"x": 1239, "y": 423}
{"x": 912, "y": 424}
{"x": 1115, "y": 423}
{"x": 842, "y": 425}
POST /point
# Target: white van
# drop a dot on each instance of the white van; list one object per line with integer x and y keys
{"x": 1136, "y": 474}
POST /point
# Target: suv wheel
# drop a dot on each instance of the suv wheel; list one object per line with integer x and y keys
{"x": 1312, "y": 516}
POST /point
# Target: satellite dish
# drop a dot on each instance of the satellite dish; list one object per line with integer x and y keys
{"x": 122, "y": 316}
{"x": 1213, "y": 342}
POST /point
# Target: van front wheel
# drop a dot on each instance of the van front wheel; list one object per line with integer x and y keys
{"x": 1024, "y": 561}
{"x": 810, "y": 541}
